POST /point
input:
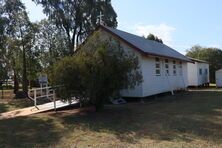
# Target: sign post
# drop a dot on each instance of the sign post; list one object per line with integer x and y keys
{"x": 43, "y": 82}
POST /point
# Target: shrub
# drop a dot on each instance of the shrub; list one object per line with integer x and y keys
{"x": 99, "y": 70}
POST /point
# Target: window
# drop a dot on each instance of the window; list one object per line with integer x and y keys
{"x": 180, "y": 69}
{"x": 206, "y": 71}
{"x": 157, "y": 66}
{"x": 174, "y": 68}
{"x": 200, "y": 71}
{"x": 166, "y": 67}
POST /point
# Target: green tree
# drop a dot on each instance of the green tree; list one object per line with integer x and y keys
{"x": 154, "y": 38}
{"x": 99, "y": 70}
{"x": 78, "y": 17}
{"x": 13, "y": 60}
{"x": 51, "y": 43}
{"x": 212, "y": 55}
{"x": 3, "y": 23}
{"x": 20, "y": 39}
{"x": 3, "y": 71}
{"x": 9, "y": 53}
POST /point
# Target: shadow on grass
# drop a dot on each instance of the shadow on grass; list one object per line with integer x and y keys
{"x": 28, "y": 132}
{"x": 13, "y": 104}
{"x": 20, "y": 103}
{"x": 3, "y": 108}
{"x": 184, "y": 117}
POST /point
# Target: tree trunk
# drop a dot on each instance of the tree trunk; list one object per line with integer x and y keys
{"x": 99, "y": 104}
{"x": 73, "y": 41}
{"x": 16, "y": 84}
{"x": 24, "y": 66}
{"x": 24, "y": 73}
{"x": 99, "y": 107}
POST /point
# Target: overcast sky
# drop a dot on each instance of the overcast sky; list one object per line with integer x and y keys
{"x": 181, "y": 24}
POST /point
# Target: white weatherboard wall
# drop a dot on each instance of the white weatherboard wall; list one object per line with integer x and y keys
{"x": 195, "y": 78}
{"x": 153, "y": 84}
{"x": 218, "y": 76}
{"x": 204, "y": 77}
{"x": 192, "y": 74}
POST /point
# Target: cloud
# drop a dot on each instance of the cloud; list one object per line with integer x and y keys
{"x": 163, "y": 31}
{"x": 215, "y": 45}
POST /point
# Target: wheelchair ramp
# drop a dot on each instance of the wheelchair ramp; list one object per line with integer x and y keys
{"x": 33, "y": 110}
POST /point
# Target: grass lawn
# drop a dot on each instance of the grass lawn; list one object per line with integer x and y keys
{"x": 8, "y": 103}
{"x": 187, "y": 119}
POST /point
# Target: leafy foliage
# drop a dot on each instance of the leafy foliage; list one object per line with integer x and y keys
{"x": 3, "y": 72}
{"x": 20, "y": 39}
{"x": 28, "y": 49}
{"x": 99, "y": 70}
{"x": 212, "y": 55}
{"x": 154, "y": 38}
{"x": 51, "y": 43}
{"x": 3, "y": 21}
{"x": 78, "y": 17}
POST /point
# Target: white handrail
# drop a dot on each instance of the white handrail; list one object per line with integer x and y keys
{"x": 41, "y": 88}
{"x": 49, "y": 92}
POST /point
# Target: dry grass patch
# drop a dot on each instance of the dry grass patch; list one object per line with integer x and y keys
{"x": 189, "y": 119}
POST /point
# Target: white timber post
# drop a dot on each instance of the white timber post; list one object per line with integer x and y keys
{"x": 54, "y": 100}
{"x": 35, "y": 99}
{"x": 47, "y": 92}
{"x": 41, "y": 89}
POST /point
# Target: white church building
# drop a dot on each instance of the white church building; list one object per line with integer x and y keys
{"x": 163, "y": 68}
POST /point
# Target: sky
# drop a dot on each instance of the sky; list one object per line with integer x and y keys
{"x": 180, "y": 24}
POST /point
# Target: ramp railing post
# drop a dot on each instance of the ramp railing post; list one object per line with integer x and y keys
{"x": 54, "y": 100}
{"x": 35, "y": 99}
{"x": 47, "y": 92}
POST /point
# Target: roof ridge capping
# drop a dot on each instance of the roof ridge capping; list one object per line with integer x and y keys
{"x": 144, "y": 46}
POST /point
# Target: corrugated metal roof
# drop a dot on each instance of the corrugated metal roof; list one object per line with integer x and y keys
{"x": 197, "y": 60}
{"x": 147, "y": 46}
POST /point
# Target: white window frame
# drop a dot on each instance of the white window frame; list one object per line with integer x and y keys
{"x": 206, "y": 71}
{"x": 167, "y": 72}
{"x": 174, "y": 68}
{"x": 200, "y": 71}
{"x": 180, "y": 68}
{"x": 157, "y": 68}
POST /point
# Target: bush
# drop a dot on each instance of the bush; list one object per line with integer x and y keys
{"x": 99, "y": 70}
